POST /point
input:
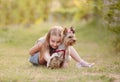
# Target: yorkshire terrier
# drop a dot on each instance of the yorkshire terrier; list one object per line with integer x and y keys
{"x": 61, "y": 55}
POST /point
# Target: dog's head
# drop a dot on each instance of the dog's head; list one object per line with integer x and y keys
{"x": 69, "y": 36}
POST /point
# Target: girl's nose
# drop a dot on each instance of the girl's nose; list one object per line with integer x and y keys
{"x": 55, "y": 44}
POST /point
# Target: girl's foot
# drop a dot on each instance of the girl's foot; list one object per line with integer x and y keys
{"x": 84, "y": 64}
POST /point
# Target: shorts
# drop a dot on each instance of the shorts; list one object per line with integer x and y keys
{"x": 35, "y": 59}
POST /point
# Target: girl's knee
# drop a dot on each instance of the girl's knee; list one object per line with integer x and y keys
{"x": 34, "y": 59}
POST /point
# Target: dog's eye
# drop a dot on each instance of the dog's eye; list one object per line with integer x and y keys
{"x": 69, "y": 36}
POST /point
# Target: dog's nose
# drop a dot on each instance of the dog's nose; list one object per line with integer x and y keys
{"x": 74, "y": 40}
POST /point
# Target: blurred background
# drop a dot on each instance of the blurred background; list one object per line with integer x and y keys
{"x": 37, "y": 11}
{"x": 14, "y": 12}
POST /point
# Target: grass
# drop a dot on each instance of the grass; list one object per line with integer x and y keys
{"x": 93, "y": 45}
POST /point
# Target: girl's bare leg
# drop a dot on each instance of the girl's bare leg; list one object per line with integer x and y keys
{"x": 78, "y": 59}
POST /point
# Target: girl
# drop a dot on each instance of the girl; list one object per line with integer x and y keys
{"x": 41, "y": 52}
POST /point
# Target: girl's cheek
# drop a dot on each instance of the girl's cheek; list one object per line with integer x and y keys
{"x": 58, "y": 44}
{"x": 50, "y": 44}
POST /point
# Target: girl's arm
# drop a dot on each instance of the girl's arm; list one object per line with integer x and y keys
{"x": 35, "y": 48}
{"x": 47, "y": 56}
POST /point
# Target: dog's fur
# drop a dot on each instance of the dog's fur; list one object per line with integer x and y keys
{"x": 58, "y": 59}
{"x": 55, "y": 61}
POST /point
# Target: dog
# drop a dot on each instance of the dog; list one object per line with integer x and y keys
{"x": 61, "y": 55}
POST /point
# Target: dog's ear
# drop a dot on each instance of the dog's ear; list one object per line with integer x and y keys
{"x": 65, "y": 30}
{"x": 72, "y": 29}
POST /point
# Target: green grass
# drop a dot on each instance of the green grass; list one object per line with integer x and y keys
{"x": 93, "y": 45}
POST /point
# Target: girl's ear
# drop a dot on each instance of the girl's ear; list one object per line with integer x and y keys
{"x": 72, "y": 29}
{"x": 65, "y": 31}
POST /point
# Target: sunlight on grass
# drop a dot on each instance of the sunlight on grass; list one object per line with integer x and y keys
{"x": 91, "y": 45}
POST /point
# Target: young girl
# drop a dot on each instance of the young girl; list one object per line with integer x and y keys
{"x": 41, "y": 52}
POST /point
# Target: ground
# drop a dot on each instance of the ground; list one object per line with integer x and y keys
{"x": 93, "y": 45}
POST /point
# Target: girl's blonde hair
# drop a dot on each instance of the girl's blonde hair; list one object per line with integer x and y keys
{"x": 54, "y": 31}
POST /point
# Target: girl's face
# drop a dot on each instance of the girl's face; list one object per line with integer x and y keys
{"x": 55, "y": 41}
